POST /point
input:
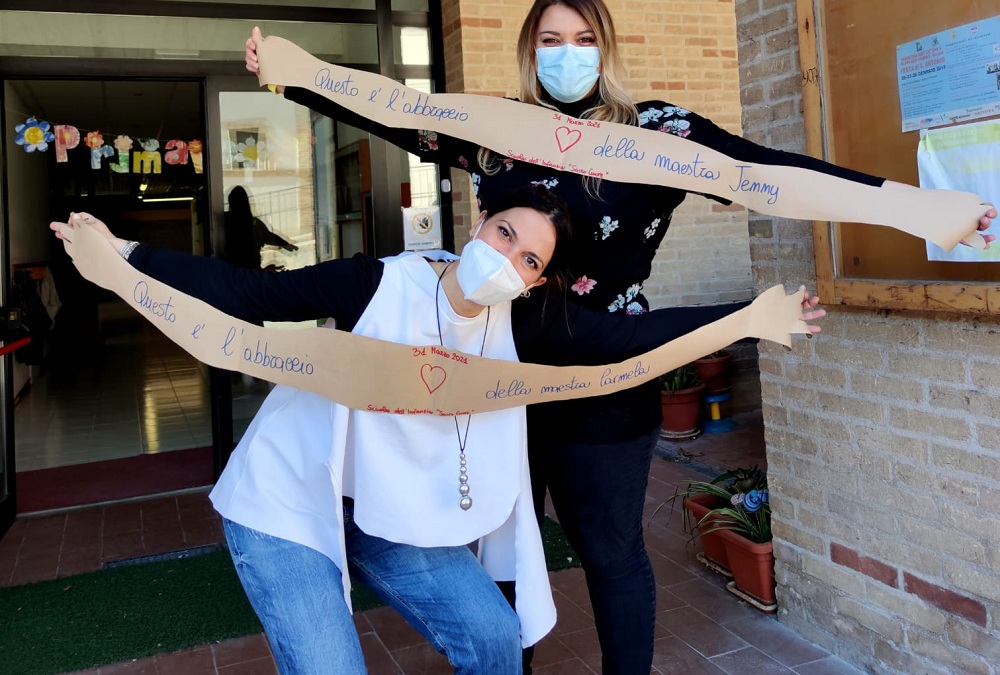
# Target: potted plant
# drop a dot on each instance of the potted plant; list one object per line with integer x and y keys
{"x": 697, "y": 507}
{"x": 680, "y": 398}
{"x": 715, "y": 371}
{"x": 735, "y": 507}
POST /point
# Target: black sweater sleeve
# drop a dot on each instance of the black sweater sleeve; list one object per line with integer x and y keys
{"x": 563, "y": 333}
{"x": 338, "y": 289}
{"x": 552, "y": 332}
{"x": 429, "y": 146}
{"x": 665, "y": 117}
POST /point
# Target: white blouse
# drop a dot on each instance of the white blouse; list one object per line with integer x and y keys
{"x": 302, "y": 454}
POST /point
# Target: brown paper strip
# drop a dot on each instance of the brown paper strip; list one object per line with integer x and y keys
{"x": 368, "y": 374}
{"x": 625, "y": 153}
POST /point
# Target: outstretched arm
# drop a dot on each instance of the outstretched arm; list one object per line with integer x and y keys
{"x": 268, "y": 238}
{"x": 702, "y": 130}
{"x": 429, "y": 146}
{"x": 567, "y": 334}
{"x": 984, "y": 222}
{"x": 408, "y": 380}
{"x": 339, "y": 288}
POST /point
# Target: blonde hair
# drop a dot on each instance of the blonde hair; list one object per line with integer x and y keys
{"x": 615, "y": 104}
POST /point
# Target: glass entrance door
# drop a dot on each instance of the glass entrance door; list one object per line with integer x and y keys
{"x": 295, "y": 190}
{"x": 106, "y": 407}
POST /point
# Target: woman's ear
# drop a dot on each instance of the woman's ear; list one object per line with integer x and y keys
{"x": 474, "y": 230}
{"x": 539, "y": 282}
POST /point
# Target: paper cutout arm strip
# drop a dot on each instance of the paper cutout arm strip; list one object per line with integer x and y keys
{"x": 326, "y": 361}
{"x": 587, "y": 147}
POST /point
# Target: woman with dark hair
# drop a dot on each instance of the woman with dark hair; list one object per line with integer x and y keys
{"x": 416, "y": 489}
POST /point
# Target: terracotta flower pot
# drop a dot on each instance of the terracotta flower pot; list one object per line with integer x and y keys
{"x": 715, "y": 373}
{"x": 712, "y": 543}
{"x": 681, "y": 412}
{"x": 752, "y": 565}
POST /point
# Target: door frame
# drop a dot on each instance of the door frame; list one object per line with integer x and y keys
{"x": 19, "y": 68}
{"x": 8, "y": 484}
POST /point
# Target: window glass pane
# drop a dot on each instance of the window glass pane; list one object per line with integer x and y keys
{"x": 421, "y": 178}
{"x": 309, "y": 184}
{"x": 410, "y": 5}
{"x": 348, "y": 157}
{"x": 328, "y": 4}
{"x": 264, "y": 155}
{"x": 140, "y": 37}
{"x": 267, "y": 151}
{"x": 412, "y": 45}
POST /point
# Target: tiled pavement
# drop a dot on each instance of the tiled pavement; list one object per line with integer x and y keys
{"x": 701, "y": 628}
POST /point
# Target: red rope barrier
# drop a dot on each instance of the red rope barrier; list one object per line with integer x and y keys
{"x": 14, "y": 345}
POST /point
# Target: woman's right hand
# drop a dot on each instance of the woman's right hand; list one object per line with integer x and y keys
{"x": 250, "y": 55}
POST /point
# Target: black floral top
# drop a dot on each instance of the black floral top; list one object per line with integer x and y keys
{"x": 615, "y": 235}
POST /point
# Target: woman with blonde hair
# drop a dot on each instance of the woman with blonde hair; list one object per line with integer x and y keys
{"x": 593, "y": 454}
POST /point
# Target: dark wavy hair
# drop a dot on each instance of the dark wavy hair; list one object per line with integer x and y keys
{"x": 540, "y": 198}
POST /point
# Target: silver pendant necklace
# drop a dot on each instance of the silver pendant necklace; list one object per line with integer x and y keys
{"x": 463, "y": 477}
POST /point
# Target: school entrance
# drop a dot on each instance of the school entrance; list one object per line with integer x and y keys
{"x": 159, "y": 136}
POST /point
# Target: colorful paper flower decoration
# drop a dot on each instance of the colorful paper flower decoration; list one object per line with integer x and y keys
{"x": 34, "y": 135}
{"x": 248, "y": 152}
{"x": 194, "y": 150}
{"x": 122, "y": 144}
{"x": 94, "y": 139}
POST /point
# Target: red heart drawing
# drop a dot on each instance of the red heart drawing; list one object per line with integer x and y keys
{"x": 563, "y": 136}
{"x": 433, "y": 377}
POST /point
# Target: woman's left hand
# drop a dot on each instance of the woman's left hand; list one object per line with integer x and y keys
{"x": 809, "y": 302}
{"x": 974, "y": 239}
{"x": 978, "y": 240}
{"x": 985, "y": 222}
{"x": 64, "y": 230}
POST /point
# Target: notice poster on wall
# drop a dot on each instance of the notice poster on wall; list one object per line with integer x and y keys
{"x": 951, "y": 76}
{"x": 422, "y": 228}
{"x": 965, "y": 157}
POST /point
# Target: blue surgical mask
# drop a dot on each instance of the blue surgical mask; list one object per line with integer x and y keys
{"x": 568, "y": 72}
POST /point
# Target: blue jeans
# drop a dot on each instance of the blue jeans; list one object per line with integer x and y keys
{"x": 443, "y": 592}
{"x": 598, "y": 491}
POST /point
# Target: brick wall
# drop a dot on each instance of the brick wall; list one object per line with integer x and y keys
{"x": 680, "y": 51}
{"x": 882, "y": 439}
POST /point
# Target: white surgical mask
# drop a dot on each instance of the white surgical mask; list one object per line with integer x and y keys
{"x": 485, "y": 276}
{"x": 568, "y": 72}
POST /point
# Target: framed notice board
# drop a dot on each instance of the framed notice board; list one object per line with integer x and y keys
{"x": 853, "y": 118}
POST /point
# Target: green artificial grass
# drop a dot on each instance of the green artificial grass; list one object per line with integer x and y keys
{"x": 136, "y": 611}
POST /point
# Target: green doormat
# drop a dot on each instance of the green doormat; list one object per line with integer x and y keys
{"x": 136, "y": 611}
